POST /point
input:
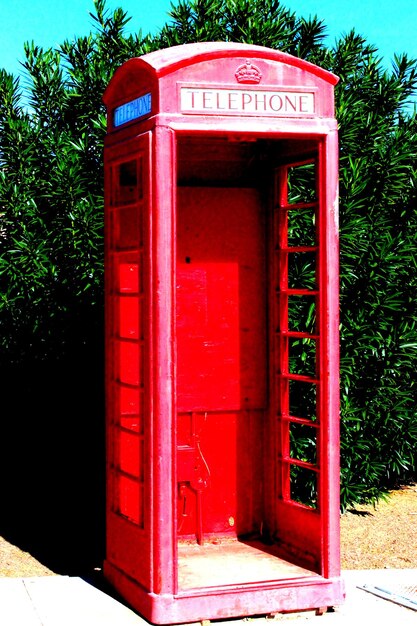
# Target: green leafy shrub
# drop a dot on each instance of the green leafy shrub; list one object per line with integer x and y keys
{"x": 51, "y": 221}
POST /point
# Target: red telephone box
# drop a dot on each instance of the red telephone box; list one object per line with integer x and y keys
{"x": 222, "y": 334}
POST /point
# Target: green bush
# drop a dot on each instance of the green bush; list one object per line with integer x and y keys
{"x": 51, "y": 218}
{"x": 378, "y": 222}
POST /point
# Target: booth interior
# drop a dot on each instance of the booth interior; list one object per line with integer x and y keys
{"x": 247, "y": 337}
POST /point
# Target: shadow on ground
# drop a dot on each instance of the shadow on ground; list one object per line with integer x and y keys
{"x": 52, "y": 461}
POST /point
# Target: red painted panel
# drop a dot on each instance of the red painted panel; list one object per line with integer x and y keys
{"x": 130, "y": 499}
{"x": 131, "y": 454}
{"x": 130, "y": 363}
{"x": 208, "y": 336}
{"x": 130, "y": 401}
{"x": 128, "y": 548}
{"x": 128, "y": 277}
{"x": 128, "y": 230}
{"x": 131, "y": 408}
{"x": 130, "y": 324}
{"x": 134, "y": 423}
{"x": 221, "y": 336}
{"x": 225, "y": 452}
{"x": 221, "y": 342}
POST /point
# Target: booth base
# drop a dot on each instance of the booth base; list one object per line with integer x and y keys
{"x": 238, "y": 580}
{"x": 232, "y": 562}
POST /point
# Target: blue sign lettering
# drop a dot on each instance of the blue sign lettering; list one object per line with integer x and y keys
{"x": 133, "y": 110}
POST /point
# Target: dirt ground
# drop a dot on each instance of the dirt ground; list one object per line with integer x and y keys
{"x": 378, "y": 537}
{"x": 384, "y": 536}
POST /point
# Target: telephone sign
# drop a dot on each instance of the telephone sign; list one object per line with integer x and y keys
{"x": 245, "y": 101}
{"x": 133, "y": 110}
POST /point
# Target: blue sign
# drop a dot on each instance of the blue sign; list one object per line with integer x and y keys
{"x": 133, "y": 110}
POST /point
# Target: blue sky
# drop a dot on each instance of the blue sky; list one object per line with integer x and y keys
{"x": 390, "y": 25}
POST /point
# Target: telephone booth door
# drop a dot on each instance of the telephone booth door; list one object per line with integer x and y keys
{"x": 221, "y": 334}
{"x": 127, "y": 378}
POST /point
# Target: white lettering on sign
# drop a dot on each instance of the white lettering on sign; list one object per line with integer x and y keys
{"x": 132, "y": 110}
{"x": 253, "y": 102}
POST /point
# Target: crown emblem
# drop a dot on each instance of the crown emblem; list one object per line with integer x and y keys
{"x": 248, "y": 74}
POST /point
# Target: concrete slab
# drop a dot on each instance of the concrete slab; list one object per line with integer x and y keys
{"x": 60, "y": 601}
{"x": 71, "y": 601}
{"x": 16, "y": 607}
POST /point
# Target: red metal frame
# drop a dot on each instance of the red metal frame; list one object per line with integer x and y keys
{"x": 157, "y": 461}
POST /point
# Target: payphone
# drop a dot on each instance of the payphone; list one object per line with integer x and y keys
{"x": 222, "y": 334}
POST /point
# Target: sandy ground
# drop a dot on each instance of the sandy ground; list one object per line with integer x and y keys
{"x": 384, "y": 536}
{"x": 378, "y": 537}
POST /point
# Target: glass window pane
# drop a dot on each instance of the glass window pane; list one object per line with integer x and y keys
{"x": 302, "y": 314}
{"x": 303, "y": 486}
{"x": 302, "y": 356}
{"x": 303, "y": 400}
{"x": 303, "y": 443}
{"x": 301, "y": 227}
{"x": 302, "y": 270}
{"x": 302, "y": 183}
